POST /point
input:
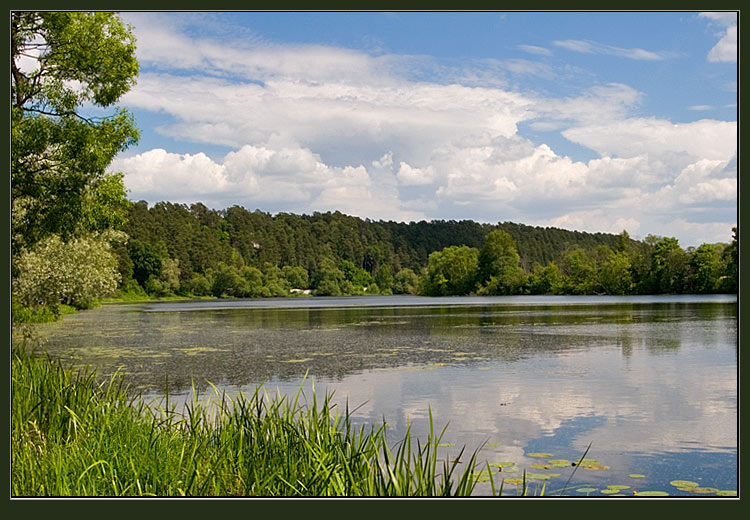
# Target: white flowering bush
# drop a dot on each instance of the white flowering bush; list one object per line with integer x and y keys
{"x": 76, "y": 272}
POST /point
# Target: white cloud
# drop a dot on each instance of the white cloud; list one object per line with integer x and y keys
{"x": 409, "y": 176}
{"x": 535, "y": 49}
{"x": 590, "y": 47}
{"x": 318, "y": 128}
{"x": 726, "y": 48}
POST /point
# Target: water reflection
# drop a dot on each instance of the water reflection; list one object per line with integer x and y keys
{"x": 637, "y": 378}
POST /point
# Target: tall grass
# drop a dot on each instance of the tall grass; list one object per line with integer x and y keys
{"x": 74, "y": 435}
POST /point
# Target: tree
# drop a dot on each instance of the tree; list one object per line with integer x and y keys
{"x": 61, "y": 62}
{"x": 706, "y": 268}
{"x": 498, "y": 263}
{"x": 545, "y": 280}
{"x": 452, "y": 271}
{"x": 76, "y": 272}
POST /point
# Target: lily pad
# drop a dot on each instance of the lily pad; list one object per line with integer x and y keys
{"x": 481, "y": 476}
{"x": 559, "y": 463}
{"x": 636, "y": 475}
{"x": 502, "y": 465}
{"x": 586, "y": 490}
{"x": 493, "y": 444}
{"x": 618, "y": 487}
{"x": 539, "y": 455}
{"x": 651, "y": 493}
{"x": 516, "y": 481}
{"x": 727, "y": 493}
{"x": 702, "y": 490}
{"x": 539, "y": 465}
{"x": 541, "y": 476}
{"x": 610, "y": 491}
{"x": 684, "y": 483}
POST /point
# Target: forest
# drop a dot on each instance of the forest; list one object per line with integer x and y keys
{"x": 176, "y": 249}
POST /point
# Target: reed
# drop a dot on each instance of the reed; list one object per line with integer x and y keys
{"x": 73, "y": 435}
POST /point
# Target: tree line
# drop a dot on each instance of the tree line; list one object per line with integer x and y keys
{"x": 194, "y": 250}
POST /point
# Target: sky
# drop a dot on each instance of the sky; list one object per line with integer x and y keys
{"x": 589, "y": 121}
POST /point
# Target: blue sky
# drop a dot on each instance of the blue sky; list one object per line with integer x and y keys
{"x": 592, "y": 121}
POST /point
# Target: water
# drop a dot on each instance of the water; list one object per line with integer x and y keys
{"x": 647, "y": 384}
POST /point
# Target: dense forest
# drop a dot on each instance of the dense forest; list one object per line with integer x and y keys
{"x": 193, "y": 250}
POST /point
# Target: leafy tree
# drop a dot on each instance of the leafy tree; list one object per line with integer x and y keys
{"x": 328, "y": 278}
{"x": 579, "y": 270}
{"x": 669, "y": 264}
{"x": 706, "y": 268}
{"x": 728, "y": 280}
{"x": 60, "y": 63}
{"x": 452, "y": 271}
{"x": 406, "y": 282}
{"x": 296, "y": 276}
{"x": 383, "y": 277}
{"x": 545, "y": 280}
{"x": 76, "y": 272}
{"x": 498, "y": 265}
{"x": 146, "y": 261}
{"x": 614, "y": 275}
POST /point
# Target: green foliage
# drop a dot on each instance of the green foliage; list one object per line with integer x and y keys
{"x": 499, "y": 271}
{"x": 59, "y": 156}
{"x": 341, "y": 255}
{"x": 545, "y": 280}
{"x": 75, "y": 436}
{"x": 452, "y": 271}
{"x": 77, "y": 272}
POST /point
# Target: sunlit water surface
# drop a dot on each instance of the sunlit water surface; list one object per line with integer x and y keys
{"x": 649, "y": 383}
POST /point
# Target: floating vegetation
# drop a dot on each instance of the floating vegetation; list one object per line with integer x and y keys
{"x": 727, "y": 493}
{"x": 540, "y": 455}
{"x": 445, "y": 444}
{"x": 493, "y": 444}
{"x": 192, "y": 351}
{"x": 591, "y": 464}
{"x": 302, "y": 360}
{"x": 481, "y": 476}
{"x": 541, "y": 476}
{"x": 586, "y": 490}
{"x": 516, "y": 481}
{"x": 684, "y": 483}
{"x": 701, "y": 490}
{"x": 559, "y": 463}
{"x": 636, "y": 475}
{"x": 539, "y": 465}
{"x": 618, "y": 487}
{"x": 650, "y": 494}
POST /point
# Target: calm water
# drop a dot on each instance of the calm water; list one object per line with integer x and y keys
{"x": 649, "y": 382}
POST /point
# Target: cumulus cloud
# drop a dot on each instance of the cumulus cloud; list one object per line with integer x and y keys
{"x": 726, "y": 48}
{"x": 313, "y": 128}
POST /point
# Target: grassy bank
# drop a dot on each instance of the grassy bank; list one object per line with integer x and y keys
{"x": 73, "y": 435}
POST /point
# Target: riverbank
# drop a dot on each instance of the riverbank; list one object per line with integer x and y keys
{"x": 73, "y": 435}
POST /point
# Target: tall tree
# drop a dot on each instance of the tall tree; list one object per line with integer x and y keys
{"x": 499, "y": 268}
{"x": 66, "y": 67}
